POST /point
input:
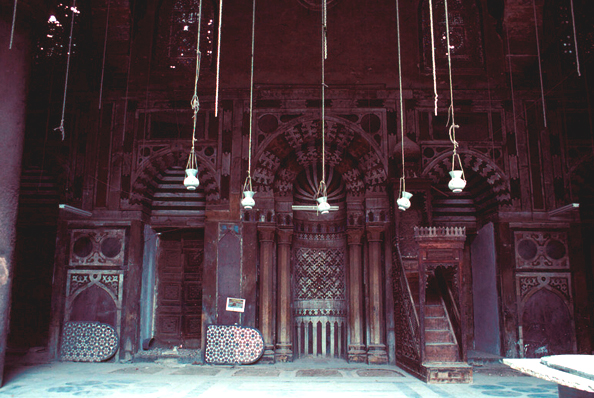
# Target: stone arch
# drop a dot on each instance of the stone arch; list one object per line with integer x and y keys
{"x": 349, "y": 150}
{"x": 144, "y": 178}
{"x": 498, "y": 182}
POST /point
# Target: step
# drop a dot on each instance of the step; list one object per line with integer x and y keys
{"x": 436, "y": 323}
{"x": 434, "y": 310}
{"x": 441, "y": 352}
{"x": 448, "y": 373}
{"x": 438, "y": 336}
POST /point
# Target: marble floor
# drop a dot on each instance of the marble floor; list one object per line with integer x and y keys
{"x": 169, "y": 379}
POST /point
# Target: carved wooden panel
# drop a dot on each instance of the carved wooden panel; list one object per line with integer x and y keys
{"x": 319, "y": 294}
{"x": 97, "y": 247}
{"x": 546, "y": 313}
{"x": 179, "y": 291}
{"x": 541, "y": 250}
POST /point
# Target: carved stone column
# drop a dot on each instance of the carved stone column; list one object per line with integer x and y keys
{"x": 266, "y": 324}
{"x": 284, "y": 345}
{"x": 356, "y": 351}
{"x": 376, "y": 351}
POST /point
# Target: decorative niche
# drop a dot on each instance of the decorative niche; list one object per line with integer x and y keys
{"x": 97, "y": 247}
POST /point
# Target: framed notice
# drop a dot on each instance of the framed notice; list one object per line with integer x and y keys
{"x": 235, "y": 304}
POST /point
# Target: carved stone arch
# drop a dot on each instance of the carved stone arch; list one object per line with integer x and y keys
{"x": 297, "y": 145}
{"x": 146, "y": 173}
{"x": 477, "y": 164}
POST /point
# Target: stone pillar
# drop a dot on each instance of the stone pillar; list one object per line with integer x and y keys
{"x": 376, "y": 351}
{"x": 266, "y": 233}
{"x": 13, "y": 74}
{"x": 284, "y": 346}
{"x": 356, "y": 351}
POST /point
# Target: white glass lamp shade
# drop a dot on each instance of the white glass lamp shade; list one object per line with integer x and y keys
{"x": 191, "y": 181}
{"x": 404, "y": 200}
{"x": 323, "y": 205}
{"x": 456, "y": 184}
{"x": 248, "y": 200}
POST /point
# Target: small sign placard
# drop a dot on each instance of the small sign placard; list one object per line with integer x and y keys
{"x": 235, "y": 304}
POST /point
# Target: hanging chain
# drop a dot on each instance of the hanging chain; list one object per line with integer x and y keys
{"x": 248, "y": 180}
{"x": 60, "y": 128}
{"x": 218, "y": 58}
{"x": 451, "y": 116}
{"x": 402, "y": 179}
{"x": 433, "y": 56}
{"x": 544, "y": 108}
{"x": 104, "y": 52}
{"x": 195, "y": 103}
{"x": 322, "y": 189}
{"x": 577, "y": 57}
{"x": 13, "y": 23}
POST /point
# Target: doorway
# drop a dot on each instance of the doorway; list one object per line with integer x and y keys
{"x": 178, "y": 310}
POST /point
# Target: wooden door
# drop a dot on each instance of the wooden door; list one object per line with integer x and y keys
{"x": 179, "y": 289}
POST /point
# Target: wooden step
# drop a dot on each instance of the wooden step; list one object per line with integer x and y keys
{"x": 438, "y": 336}
{"x": 434, "y": 310}
{"x": 441, "y": 352}
{"x": 436, "y": 323}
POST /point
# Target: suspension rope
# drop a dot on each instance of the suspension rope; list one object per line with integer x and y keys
{"x": 322, "y": 189}
{"x": 511, "y": 80}
{"x": 218, "y": 58}
{"x": 13, "y": 24}
{"x": 577, "y": 56}
{"x": 542, "y": 95}
{"x": 402, "y": 179}
{"x": 451, "y": 115}
{"x": 195, "y": 103}
{"x": 104, "y": 52}
{"x": 248, "y": 180}
{"x": 432, "y": 56}
{"x": 61, "y": 126}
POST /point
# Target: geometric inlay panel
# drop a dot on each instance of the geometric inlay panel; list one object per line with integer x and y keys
{"x": 88, "y": 342}
{"x": 541, "y": 250}
{"x": 319, "y": 274}
{"x": 103, "y": 247}
{"x": 231, "y": 344}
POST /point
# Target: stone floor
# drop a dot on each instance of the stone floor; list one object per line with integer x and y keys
{"x": 308, "y": 379}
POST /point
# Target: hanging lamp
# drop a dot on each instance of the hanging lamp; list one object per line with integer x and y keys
{"x": 191, "y": 181}
{"x": 323, "y": 206}
{"x": 458, "y": 180}
{"x": 321, "y": 195}
{"x": 248, "y": 201}
{"x": 403, "y": 201}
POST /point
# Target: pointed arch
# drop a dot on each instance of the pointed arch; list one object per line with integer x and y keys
{"x": 143, "y": 181}
{"x": 296, "y": 146}
{"x": 477, "y": 163}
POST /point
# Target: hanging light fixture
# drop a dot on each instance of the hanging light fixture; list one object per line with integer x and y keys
{"x": 248, "y": 201}
{"x": 403, "y": 201}
{"x": 323, "y": 206}
{"x": 191, "y": 181}
{"x": 458, "y": 181}
{"x": 321, "y": 196}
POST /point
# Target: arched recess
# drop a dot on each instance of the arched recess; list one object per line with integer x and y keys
{"x": 486, "y": 191}
{"x": 349, "y": 151}
{"x": 146, "y": 177}
{"x": 546, "y": 321}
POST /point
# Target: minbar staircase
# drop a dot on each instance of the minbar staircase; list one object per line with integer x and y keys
{"x": 436, "y": 299}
